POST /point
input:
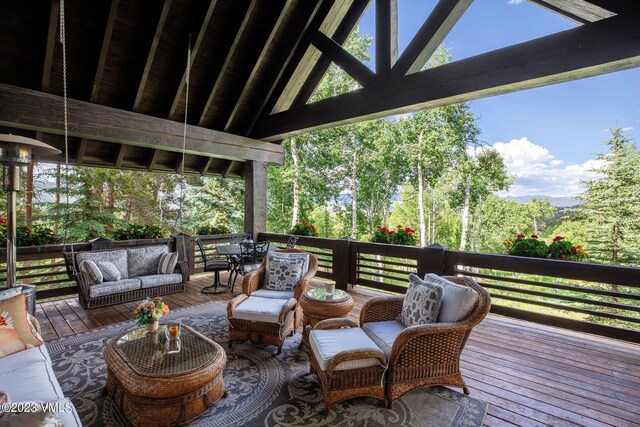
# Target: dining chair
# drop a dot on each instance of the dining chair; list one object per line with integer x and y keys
{"x": 251, "y": 256}
{"x": 213, "y": 264}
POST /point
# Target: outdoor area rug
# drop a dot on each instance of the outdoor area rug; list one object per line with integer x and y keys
{"x": 264, "y": 389}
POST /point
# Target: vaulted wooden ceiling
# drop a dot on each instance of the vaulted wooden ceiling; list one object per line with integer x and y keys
{"x": 254, "y": 65}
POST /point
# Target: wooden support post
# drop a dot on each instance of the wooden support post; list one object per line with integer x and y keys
{"x": 432, "y": 260}
{"x": 386, "y": 36}
{"x": 340, "y": 264}
{"x": 101, "y": 244}
{"x": 255, "y": 197}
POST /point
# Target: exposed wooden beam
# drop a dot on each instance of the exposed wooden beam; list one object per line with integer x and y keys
{"x": 601, "y": 47}
{"x": 386, "y": 36}
{"x": 205, "y": 165}
{"x": 180, "y": 163}
{"x": 106, "y": 41}
{"x": 582, "y": 12}
{"x": 227, "y": 61}
{"x": 277, "y": 27}
{"x": 82, "y": 148}
{"x": 316, "y": 17}
{"x": 22, "y": 108}
{"x": 619, "y": 7}
{"x": 194, "y": 53}
{"x": 431, "y": 34}
{"x": 152, "y": 53}
{"x": 564, "y": 13}
{"x": 120, "y": 156}
{"x": 54, "y": 16}
{"x": 227, "y": 167}
{"x": 343, "y": 59}
{"x": 153, "y": 160}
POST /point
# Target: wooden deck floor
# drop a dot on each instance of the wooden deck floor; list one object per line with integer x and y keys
{"x": 531, "y": 375}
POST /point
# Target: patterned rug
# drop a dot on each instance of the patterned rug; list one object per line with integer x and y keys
{"x": 264, "y": 389}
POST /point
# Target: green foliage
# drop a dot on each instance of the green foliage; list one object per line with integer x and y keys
{"x": 209, "y": 229}
{"x": 37, "y": 236}
{"x": 135, "y": 231}
{"x": 304, "y": 228}
{"x": 529, "y": 247}
{"x": 399, "y": 236}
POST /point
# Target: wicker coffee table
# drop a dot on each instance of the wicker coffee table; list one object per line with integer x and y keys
{"x": 154, "y": 381}
{"x": 317, "y": 305}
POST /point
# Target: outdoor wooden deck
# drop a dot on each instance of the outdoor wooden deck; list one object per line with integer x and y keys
{"x": 531, "y": 375}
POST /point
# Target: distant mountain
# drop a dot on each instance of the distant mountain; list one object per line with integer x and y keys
{"x": 559, "y": 202}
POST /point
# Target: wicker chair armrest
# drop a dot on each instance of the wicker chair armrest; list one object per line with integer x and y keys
{"x": 303, "y": 283}
{"x": 183, "y": 267}
{"x": 381, "y": 309}
{"x": 234, "y": 303}
{"x": 423, "y": 336}
{"x": 336, "y": 323}
{"x": 348, "y": 355}
{"x": 253, "y": 280}
{"x": 287, "y": 308}
{"x": 84, "y": 283}
{"x": 35, "y": 324}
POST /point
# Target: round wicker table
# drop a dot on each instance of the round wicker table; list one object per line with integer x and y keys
{"x": 317, "y": 305}
{"x": 161, "y": 382}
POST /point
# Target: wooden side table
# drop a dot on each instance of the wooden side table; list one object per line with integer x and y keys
{"x": 317, "y": 305}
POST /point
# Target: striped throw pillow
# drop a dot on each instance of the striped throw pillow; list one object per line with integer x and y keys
{"x": 168, "y": 263}
{"x": 90, "y": 268}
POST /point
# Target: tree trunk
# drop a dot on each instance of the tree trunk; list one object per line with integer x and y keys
{"x": 465, "y": 214}
{"x": 127, "y": 215}
{"x": 28, "y": 209}
{"x": 472, "y": 239}
{"x": 295, "y": 215}
{"x": 535, "y": 225}
{"x": 478, "y": 227}
{"x": 422, "y": 226}
{"x": 354, "y": 192}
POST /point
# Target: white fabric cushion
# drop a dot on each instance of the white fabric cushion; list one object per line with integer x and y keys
{"x": 110, "y": 272}
{"x": 457, "y": 300}
{"x": 25, "y": 358}
{"x": 327, "y": 343}
{"x": 266, "y": 293}
{"x": 10, "y": 293}
{"x": 384, "y": 334}
{"x": 259, "y": 309}
{"x": 91, "y": 269}
{"x": 159, "y": 280}
{"x": 167, "y": 263}
{"x": 35, "y": 381}
{"x": 286, "y": 255}
{"x": 421, "y": 303}
{"x": 109, "y": 288}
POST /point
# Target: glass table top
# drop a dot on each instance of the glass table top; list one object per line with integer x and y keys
{"x": 319, "y": 294}
{"x": 152, "y": 353}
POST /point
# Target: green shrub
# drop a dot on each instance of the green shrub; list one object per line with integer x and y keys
{"x": 135, "y": 231}
{"x": 304, "y": 228}
{"x": 529, "y": 247}
{"x": 212, "y": 229}
{"x": 400, "y": 236}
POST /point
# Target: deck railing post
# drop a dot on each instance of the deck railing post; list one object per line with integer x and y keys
{"x": 101, "y": 244}
{"x": 432, "y": 260}
{"x": 341, "y": 263}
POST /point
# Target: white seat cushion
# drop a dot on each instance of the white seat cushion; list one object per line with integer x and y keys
{"x": 33, "y": 382}
{"x": 327, "y": 343}
{"x": 24, "y": 358}
{"x": 159, "y": 280}
{"x": 457, "y": 300}
{"x": 109, "y": 288}
{"x": 266, "y": 293}
{"x": 259, "y": 309}
{"x": 384, "y": 334}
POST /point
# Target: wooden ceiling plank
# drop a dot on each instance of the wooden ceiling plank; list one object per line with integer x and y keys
{"x": 205, "y": 166}
{"x": 106, "y": 41}
{"x": 216, "y": 86}
{"x": 152, "y": 53}
{"x": 316, "y": 17}
{"x": 194, "y": 53}
{"x": 564, "y": 13}
{"x": 431, "y": 34}
{"x": 22, "y": 108}
{"x": 227, "y": 168}
{"x": 343, "y": 59}
{"x": 246, "y": 91}
{"x": 82, "y": 148}
{"x": 601, "y": 47}
{"x": 386, "y": 36}
{"x": 120, "y": 156}
{"x": 54, "y": 17}
{"x": 153, "y": 160}
{"x": 619, "y": 7}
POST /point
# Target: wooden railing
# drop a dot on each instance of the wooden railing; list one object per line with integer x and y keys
{"x": 594, "y": 298}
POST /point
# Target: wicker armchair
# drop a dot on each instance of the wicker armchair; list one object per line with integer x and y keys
{"x": 425, "y": 355}
{"x": 269, "y": 332}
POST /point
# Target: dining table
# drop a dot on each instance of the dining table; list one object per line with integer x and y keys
{"x": 233, "y": 249}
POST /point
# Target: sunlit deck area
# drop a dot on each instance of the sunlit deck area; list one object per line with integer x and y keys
{"x": 528, "y": 373}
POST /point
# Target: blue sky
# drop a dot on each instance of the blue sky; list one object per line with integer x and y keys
{"x": 547, "y": 135}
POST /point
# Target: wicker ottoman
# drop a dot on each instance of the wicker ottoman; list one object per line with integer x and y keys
{"x": 346, "y": 361}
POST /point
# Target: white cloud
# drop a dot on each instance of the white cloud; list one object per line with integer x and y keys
{"x": 537, "y": 172}
{"x": 627, "y": 129}
{"x": 514, "y": 2}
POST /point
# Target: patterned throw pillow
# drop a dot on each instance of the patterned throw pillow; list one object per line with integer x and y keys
{"x": 110, "y": 272}
{"x": 286, "y": 255}
{"x": 421, "y": 303}
{"x": 168, "y": 263}
{"x": 90, "y": 268}
{"x": 284, "y": 273}
{"x": 15, "y": 330}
